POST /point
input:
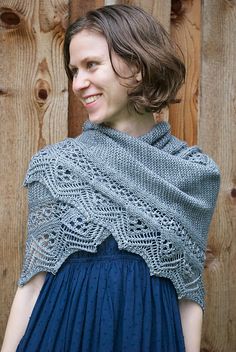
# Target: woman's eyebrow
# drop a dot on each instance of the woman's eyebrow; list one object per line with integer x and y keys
{"x": 86, "y": 59}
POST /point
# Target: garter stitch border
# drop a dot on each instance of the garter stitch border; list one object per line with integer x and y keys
{"x": 153, "y": 193}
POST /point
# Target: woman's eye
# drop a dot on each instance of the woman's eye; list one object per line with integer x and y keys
{"x": 91, "y": 65}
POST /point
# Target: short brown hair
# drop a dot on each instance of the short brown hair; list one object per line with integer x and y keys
{"x": 139, "y": 39}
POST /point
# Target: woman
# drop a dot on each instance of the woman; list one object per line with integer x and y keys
{"x": 118, "y": 217}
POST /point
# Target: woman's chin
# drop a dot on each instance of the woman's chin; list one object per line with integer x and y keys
{"x": 96, "y": 119}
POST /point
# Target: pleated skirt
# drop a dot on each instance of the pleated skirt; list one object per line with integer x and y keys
{"x": 104, "y": 302}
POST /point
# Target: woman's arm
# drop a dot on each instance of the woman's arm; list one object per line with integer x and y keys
{"x": 21, "y": 310}
{"x": 191, "y": 318}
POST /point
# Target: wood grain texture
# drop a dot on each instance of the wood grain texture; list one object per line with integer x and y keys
{"x": 159, "y": 9}
{"x": 217, "y": 130}
{"x": 185, "y": 32}
{"x": 33, "y": 103}
{"x": 77, "y": 114}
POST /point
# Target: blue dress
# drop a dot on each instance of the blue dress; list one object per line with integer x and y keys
{"x": 104, "y": 302}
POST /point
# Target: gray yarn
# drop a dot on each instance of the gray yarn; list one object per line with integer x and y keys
{"x": 153, "y": 193}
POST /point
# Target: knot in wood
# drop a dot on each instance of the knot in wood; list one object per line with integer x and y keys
{"x": 210, "y": 257}
{"x": 233, "y": 192}
{"x": 9, "y": 18}
{"x": 43, "y": 94}
{"x": 42, "y": 91}
{"x": 3, "y": 91}
{"x": 177, "y": 9}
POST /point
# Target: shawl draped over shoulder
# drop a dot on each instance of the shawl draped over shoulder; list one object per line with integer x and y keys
{"x": 153, "y": 193}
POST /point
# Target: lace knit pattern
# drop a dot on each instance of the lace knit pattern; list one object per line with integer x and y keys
{"x": 153, "y": 193}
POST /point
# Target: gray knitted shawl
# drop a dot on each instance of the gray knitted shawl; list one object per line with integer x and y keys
{"x": 153, "y": 193}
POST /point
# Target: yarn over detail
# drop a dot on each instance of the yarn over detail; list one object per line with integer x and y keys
{"x": 153, "y": 193}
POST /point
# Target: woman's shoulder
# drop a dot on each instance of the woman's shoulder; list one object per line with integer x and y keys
{"x": 192, "y": 153}
{"x": 54, "y": 150}
{"x": 48, "y": 159}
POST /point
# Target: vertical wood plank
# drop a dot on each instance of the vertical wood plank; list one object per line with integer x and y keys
{"x": 77, "y": 114}
{"x": 33, "y": 103}
{"x": 185, "y": 32}
{"x": 217, "y": 137}
{"x": 159, "y": 9}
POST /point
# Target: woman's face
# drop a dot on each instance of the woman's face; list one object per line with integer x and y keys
{"x": 94, "y": 80}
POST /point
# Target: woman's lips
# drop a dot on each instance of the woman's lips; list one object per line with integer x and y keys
{"x": 87, "y": 101}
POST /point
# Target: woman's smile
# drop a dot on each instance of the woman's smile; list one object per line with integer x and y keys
{"x": 89, "y": 100}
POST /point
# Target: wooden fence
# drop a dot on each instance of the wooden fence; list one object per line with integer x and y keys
{"x": 37, "y": 108}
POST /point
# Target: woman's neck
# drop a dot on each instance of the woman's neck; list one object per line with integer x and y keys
{"x": 136, "y": 125}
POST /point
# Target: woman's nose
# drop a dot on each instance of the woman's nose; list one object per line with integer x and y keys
{"x": 80, "y": 82}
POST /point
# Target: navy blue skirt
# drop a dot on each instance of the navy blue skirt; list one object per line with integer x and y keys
{"x": 104, "y": 302}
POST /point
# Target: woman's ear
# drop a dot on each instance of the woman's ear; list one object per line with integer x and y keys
{"x": 138, "y": 76}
